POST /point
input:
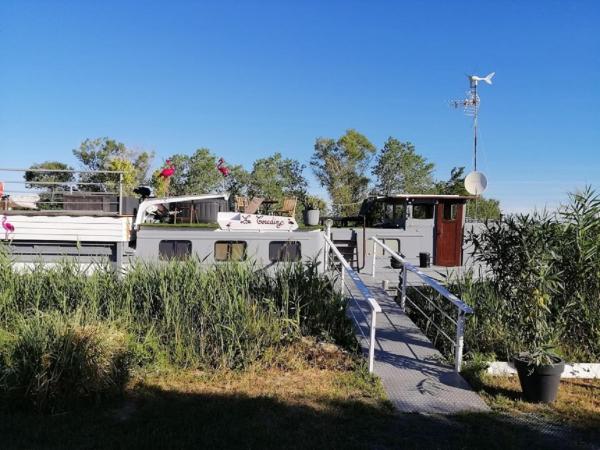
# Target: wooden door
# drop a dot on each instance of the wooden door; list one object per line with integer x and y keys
{"x": 448, "y": 234}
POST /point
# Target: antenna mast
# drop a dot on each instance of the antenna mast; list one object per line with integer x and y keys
{"x": 471, "y": 107}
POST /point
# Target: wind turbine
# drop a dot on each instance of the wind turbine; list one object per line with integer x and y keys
{"x": 475, "y": 182}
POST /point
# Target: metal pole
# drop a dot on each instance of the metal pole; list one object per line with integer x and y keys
{"x": 372, "y": 341}
{"x": 475, "y": 128}
{"x": 458, "y": 348}
{"x": 374, "y": 257}
{"x": 328, "y": 234}
{"x": 343, "y": 271}
{"x": 121, "y": 193}
{"x": 404, "y": 282}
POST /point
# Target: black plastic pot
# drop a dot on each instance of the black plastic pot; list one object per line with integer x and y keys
{"x": 539, "y": 383}
{"x": 424, "y": 260}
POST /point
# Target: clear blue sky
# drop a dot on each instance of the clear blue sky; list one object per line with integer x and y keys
{"x": 249, "y": 78}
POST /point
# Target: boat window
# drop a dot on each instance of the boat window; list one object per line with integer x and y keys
{"x": 230, "y": 250}
{"x": 284, "y": 251}
{"x": 450, "y": 211}
{"x": 422, "y": 212}
{"x": 395, "y": 212}
{"x": 171, "y": 249}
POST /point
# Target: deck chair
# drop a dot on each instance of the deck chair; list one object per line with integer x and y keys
{"x": 288, "y": 208}
{"x": 253, "y": 206}
{"x": 241, "y": 203}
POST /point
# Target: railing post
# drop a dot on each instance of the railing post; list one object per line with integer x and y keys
{"x": 374, "y": 257}
{"x": 121, "y": 193}
{"x": 343, "y": 272}
{"x": 372, "y": 340}
{"x": 458, "y": 347}
{"x": 403, "y": 292}
{"x": 328, "y": 224}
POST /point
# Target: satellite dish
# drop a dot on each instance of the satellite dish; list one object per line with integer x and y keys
{"x": 475, "y": 183}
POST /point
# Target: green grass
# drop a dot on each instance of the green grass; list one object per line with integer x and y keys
{"x": 303, "y": 397}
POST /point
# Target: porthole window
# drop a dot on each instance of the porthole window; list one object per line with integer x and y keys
{"x": 285, "y": 251}
{"x": 230, "y": 250}
{"x": 174, "y": 249}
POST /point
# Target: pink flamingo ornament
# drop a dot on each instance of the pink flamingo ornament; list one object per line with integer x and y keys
{"x": 166, "y": 173}
{"x": 168, "y": 170}
{"x": 8, "y": 227}
{"x": 221, "y": 167}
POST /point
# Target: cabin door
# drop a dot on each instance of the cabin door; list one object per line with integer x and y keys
{"x": 449, "y": 234}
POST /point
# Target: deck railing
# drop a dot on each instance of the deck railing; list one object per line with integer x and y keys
{"x": 330, "y": 255}
{"x": 60, "y": 190}
{"x": 461, "y": 307}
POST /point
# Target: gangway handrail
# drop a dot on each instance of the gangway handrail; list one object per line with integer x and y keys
{"x": 462, "y": 307}
{"x": 362, "y": 288}
{"x": 426, "y": 278}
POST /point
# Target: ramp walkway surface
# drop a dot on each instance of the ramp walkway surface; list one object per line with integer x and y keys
{"x": 414, "y": 374}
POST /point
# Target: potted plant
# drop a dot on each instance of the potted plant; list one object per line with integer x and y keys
{"x": 312, "y": 209}
{"x": 538, "y": 367}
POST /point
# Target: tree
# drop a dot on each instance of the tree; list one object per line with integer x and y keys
{"x": 340, "y": 167}
{"x": 198, "y": 174}
{"x": 53, "y": 182}
{"x": 238, "y": 181}
{"x": 276, "y": 177}
{"x": 400, "y": 169}
{"x": 101, "y": 154}
{"x": 455, "y": 185}
{"x": 484, "y": 209}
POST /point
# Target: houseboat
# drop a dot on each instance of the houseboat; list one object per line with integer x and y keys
{"x": 106, "y": 226}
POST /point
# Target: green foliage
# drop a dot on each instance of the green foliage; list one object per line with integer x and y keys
{"x": 400, "y": 169}
{"x": 55, "y": 183}
{"x": 482, "y": 209}
{"x": 177, "y": 313}
{"x": 54, "y": 360}
{"x": 455, "y": 185}
{"x": 276, "y": 177}
{"x": 538, "y": 289}
{"x": 198, "y": 174}
{"x": 313, "y": 202}
{"x": 341, "y": 166}
{"x": 100, "y": 154}
{"x": 38, "y": 178}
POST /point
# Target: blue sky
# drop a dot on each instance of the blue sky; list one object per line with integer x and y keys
{"x": 247, "y": 79}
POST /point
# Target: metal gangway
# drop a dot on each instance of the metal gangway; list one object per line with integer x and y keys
{"x": 462, "y": 309}
{"x": 414, "y": 374}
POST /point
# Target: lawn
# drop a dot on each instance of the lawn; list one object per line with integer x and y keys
{"x": 307, "y": 396}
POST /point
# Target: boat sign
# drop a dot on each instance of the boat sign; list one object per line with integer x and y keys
{"x": 256, "y": 222}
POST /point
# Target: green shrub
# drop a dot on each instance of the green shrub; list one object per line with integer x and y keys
{"x": 53, "y": 361}
{"x": 184, "y": 313}
{"x": 540, "y": 285}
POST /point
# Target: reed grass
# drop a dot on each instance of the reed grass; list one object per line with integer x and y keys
{"x": 180, "y": 313}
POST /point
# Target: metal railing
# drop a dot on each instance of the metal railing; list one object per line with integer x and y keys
{"x": 60, "y": 190}
{"x": 331, "y": 251}
{"x": 462, "y": 308}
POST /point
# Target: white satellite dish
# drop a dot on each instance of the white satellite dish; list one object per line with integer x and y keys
{"x": 475, "y": 183}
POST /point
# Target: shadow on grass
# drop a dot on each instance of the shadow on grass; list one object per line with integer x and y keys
{"x": 157, "y": 418}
